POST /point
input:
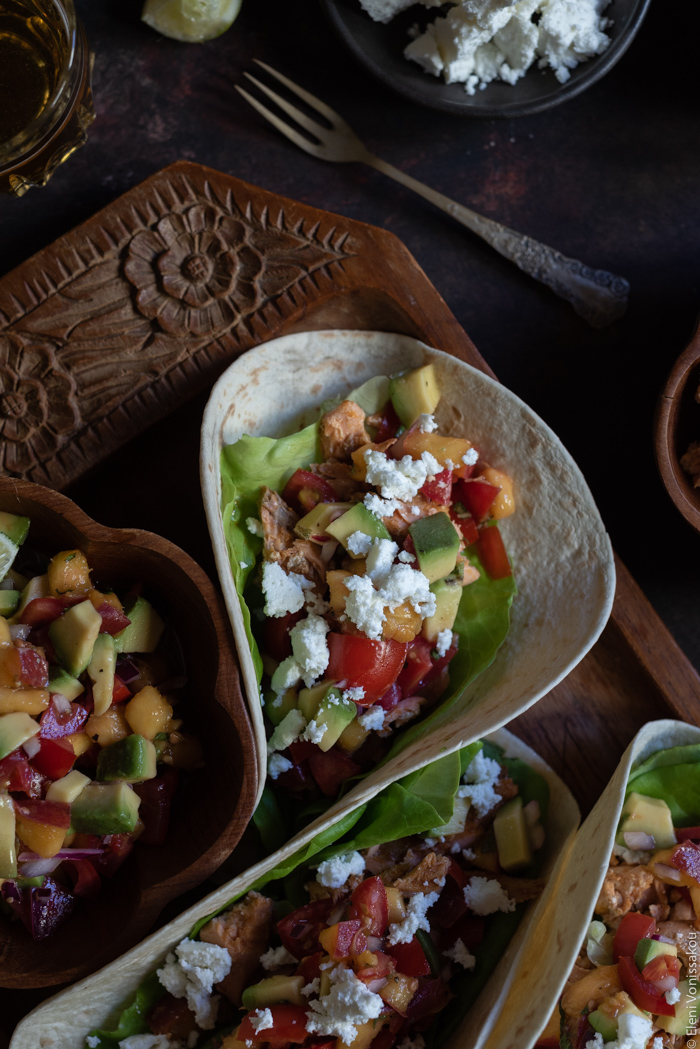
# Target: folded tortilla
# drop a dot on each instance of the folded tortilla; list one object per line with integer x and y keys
{"x": 63, "y": 1021}
{"x": 569, "y": 910}
{"x": 562, "y": 557}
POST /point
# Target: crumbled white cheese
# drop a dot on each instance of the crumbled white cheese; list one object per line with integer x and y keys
{"x": 416, "y": 918}
{"x": 395, "y": 478}
{"x": 470, "y": 457}
{"x": 381, "y": 507}
{"x": 191, "y": 973}
{"x": 314, "y": 732}
{"x": 348, "y": 1004}
{"x": 92, "y": 1041}
{"x": 314, "y": 604}
{"x": 406, "y": 557}
{"x": 277, "y": 764}
{"x": 335, "y": 872}
{"x": 380, "y": 558}
{"x": 468, "y": 854}
{"x": 596, "y": 1042}
{"x": 310, "y": 648}
{"x": 355, "y": 695}
{"x": 461, "y": 955}
{"x": 254, "y": 526}
{"x": 384, "y": 10}
{"x": 140, "y": 1041}
{"x": 261, "y": 1019}
{"x": 290, "y": 728}
{"x": 372, "y": 719}
{"x": 365, "y": 605}
{"x": 479, "y": 781}
{"x": 417, "y": 1042}
{"x": 286, "y": 675}
{"x": 426, "y": 423}
{"x": 486, "y": 896}
{"x": 570, "y": 31}
{"x": 673, "y": 996}
{"x": 283, "y": 592}
{"x": 432, "y": 465}
{"x": 243, "y": 564}
{"x": 359, "y": 543}
{"x": 633, "y": 1032}
{"x": 311, "y": 988}
{"x": 276, "y": 956}
{"x": 444, "y": 640}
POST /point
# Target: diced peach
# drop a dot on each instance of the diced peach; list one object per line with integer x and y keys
{"x": 359, "y": 464}
{"x": 108, "y": 727}
{"x": 445, "y": 449}
{"x": 98, "y": 598}
{"x": 41, "y": 838}
{"x": 80, "y": 742}
{"x": 148, "y": 713}
{"x": 69, "y": 573}
{"x": 30, "y": 700}
{"x": 338, "y": 591}
{"x": 397, "y": 908}
{"x": 398, "y": 991}
{"x": 504, "y": 503}
{"x": 402, "y": 624}
{"x": 352, "y": 737}
{"x": 5, "y": 635}
{"x": 10, "y": 667}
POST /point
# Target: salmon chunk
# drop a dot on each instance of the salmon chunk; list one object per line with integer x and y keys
{"x": 625, "y": 888}
{"x": 244, "y": 931}
{"x": 428, "y": 876}
{"x": 278, "y": 522}
{"x": 343, "y": 431}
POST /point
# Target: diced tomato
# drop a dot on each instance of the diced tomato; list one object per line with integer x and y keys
{"x": 34, "y": 669}
{"x": 418, "y": 663}
{"x": 42, "y": 909}
{"x": 686, "y": 858}
{"x": 300, "y": 930}
{"x": 55, "y": 759}
{"x": 42, "y": 610}
{"x": 276, "y": 640}
{"x": 301, "y": 749}
{"x": 296, "y": 779}
{"x": 633, "y": 928}
{"x": 442, "y": 662}
{"x": 465, "y": 522}
{"x": 112, "y": 619}
{"x": 644, "y": 994}
{"x": 387, "y": 424}
{"x": 18, "y": 776}
{"x": 408, "y": 545}
{"x": 156, "y": 801}
{"x": 687, "y": 833}
{"x": 55, "y": 723}
{"x": 310, "y": 966}
{"x": 54, "y": 813}
{"x": 331, "y": 768}
{"x": 663, "y": 971}
{"x": 86, "y": 880}
{"x": 410, "y": 958}
{"x": 430, "y": 998}
{"x": 117, "y": 847}
{"x": 120, "y": 691}
{"x": 464, "y": 470}
{"x": 476, "y": 496}
{"x": 305, "y": 490}
{"x": 343, "y": 940}
{"x": 369, "y": 903}
{"x": 439, "y": 490}
{"x": 492, "y": 553}
{"x": 361, "y": 663}
{"x": 383, "y": 966}
{"x": 391, "y": 698}
{"x": 288, "y": 1025}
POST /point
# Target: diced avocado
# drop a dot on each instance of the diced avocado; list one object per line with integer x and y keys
{"x": 437, "y": 544}
{"x": 455, "y": 824}
{"x": 105, "y": 808}
{"x": 606, "y": 1017}
{"x": 8, "y": 852}
{"x": 61, "y": 682}
{"x": 277, "y": 707}
{"x": 274, "y": 990}
{"x": 15, "y": 729}
{"x": 650, "y": 816}
{"x": 310, "y": 699}
{"x": 145, "y": 630}
{"x": 316, "y": 521}
{"x": 38, "y": 586}
{"x": 101, "y": 672}
{"x": 334, "y": 714}
{"x": 357, "y": 519}
{"x": 648, "y": 949}
{"x": 686, "y": 1011}
{"x": 512, "y": 841}
{"x": 68, "y": 787}
{"x": 132, "y": 759}
{"x": 73, "y": 636}
{"x": 448, "y": 594}
{"x": 14, "y": 527}
{"x": 372, "y": 395}
{"x": 414, "y": 393}
{"x": 9, "y": 599}
{"x": 603, "y": 1023}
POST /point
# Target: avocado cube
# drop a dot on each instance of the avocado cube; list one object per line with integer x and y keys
{"x": 436, "y": 541}
{"x": 15, "y": 729}
{"x": 8, "y": 852}
{"x": 414, "y": 393}
{"x": 456, "y": 822}
{"x": 310, "y": 699}
{"x": 144, "y": 631}
{"x": 274, "y": 990}
{"x": 278, "y": 706}
{"x": 9, "y": 599}
{"x": 317, "y": 520}
{"x": 512, "y": 841}
{"x": 101, "y": 672}
{"x": 37, "y": 586}
{"x": 648, "y": 949}
{"x": 68, "y": 787}
{"x": 105, "y": 808}
{"x": 334, "y": 714}
{"x": 448, "y": 594}
{"x": 132, "y": 759}
{"x": 650, "y": 816}
{"x": 357, "y": 519}
{"x": 73, "y": 636}
{"x": 62, "y": 683}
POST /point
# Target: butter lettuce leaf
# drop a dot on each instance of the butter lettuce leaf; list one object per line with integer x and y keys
{"x": 133, "y": 1019}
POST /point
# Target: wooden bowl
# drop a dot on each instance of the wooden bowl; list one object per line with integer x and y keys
{"x": 677, "y": 423}
{"x": 217, "y": 801}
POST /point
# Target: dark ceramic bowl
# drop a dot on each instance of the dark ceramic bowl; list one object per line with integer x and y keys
{"x": 216, "y": 802}
{"x": 677, "y": 423}
{"x": 379, "y": 48}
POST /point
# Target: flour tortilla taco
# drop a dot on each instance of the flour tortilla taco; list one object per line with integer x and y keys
{"x": 424, "y": 901}
{"x": 261, "y": 441}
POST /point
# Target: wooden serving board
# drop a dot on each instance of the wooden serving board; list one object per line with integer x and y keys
{"x": 123, "y": 320}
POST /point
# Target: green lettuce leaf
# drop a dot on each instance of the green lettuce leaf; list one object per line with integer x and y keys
{"x": 674, "y": 776}
{"x": 132, "y": 1020}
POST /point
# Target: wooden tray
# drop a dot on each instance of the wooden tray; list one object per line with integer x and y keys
{"x": 75, "y": 307}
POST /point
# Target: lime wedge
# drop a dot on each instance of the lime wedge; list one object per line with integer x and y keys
{"x": 8, "y": 552}
{"x": 190, "y": 21}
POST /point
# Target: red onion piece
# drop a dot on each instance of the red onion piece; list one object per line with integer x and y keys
{"x": 127, "y": 670}
{"x": 61, "y": 703}
{"x": 376, "y": 985}
{"x": 39, "y": 867}
{"x": 638, "y": 840}
{"x": 62, "y": 854}
{"x": 664, "y": 871}
{"x": 20, "y": 631}
{"x": 7, "y": 584}
{"x": 327, "y": 551}
{"x": 31, "y": 747}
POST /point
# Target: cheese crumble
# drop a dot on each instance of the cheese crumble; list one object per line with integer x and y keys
{"x": 347, "y": 1006}
{"x": 416, "y": 918}
{"x": 478, "y": 784}
{"x": 486, "y": 896}
{"x": 191, "y": 973}
{"x": 335, "y": 872}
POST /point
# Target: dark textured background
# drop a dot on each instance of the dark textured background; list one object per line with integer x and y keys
{"x": 610, "y": 177}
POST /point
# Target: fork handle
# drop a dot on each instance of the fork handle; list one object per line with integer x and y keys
{"x": 598, "y": 296}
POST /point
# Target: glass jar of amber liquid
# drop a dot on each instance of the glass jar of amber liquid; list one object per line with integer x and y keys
{"x": 45, "y": 94}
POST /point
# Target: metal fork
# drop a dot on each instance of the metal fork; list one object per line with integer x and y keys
{"x": 598, "y": 296}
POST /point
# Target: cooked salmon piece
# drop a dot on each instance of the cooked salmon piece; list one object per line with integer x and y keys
{"x": 407, "y": 513}
{"x": 626, "y": 887}
{"x": 343, "y": 431}
{"x": 428, "y": 876}
{"x": 339, "y": 478}
{"x": 278, "y": 520}
{"x": 304, "y": 558}
{"x": 244, "y": 931}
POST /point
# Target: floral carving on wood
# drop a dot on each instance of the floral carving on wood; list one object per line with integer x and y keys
{"x": 173, "y": 280}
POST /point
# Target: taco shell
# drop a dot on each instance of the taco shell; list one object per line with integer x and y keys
{"x": 63, "y": 1021}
